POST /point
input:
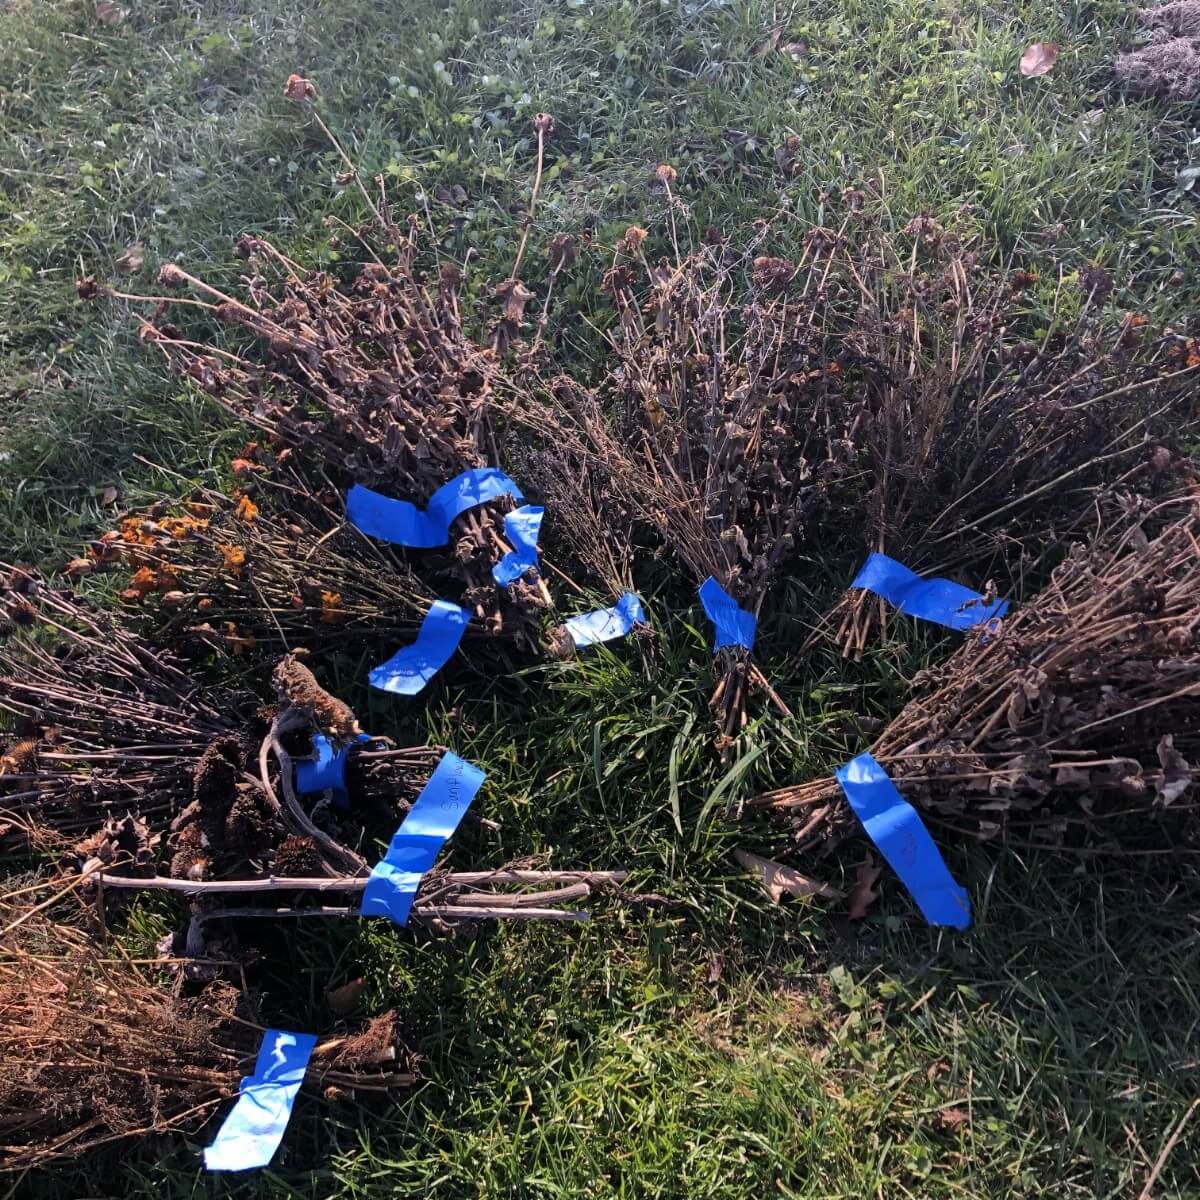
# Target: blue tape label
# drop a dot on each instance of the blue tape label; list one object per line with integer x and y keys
{"x": 606, "y": 624}
{"x": 404, "y": 524}
{"x": 254, "y": 1128}
{"x": 412, "y": 667}
{"x": 735, "y": 626}
{"x": 897, "y": 829}
{"x": 522, "y": 526}
{"x": 414, "y": 848}
{"x": 326, "y": 770}
{"x": 939, "y": 600}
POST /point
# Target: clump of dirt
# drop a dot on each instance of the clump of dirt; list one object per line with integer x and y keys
{"x": 1170, "y": 65}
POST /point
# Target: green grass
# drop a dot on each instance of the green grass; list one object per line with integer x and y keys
{"x": 715, "y": 1047}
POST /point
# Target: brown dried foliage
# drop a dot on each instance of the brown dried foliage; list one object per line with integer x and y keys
{"x": 1081, "y": 708}
{"x": 1169, "y": 66}
{"x": 94, "y": 1051}
{"x": 379, "y": 382}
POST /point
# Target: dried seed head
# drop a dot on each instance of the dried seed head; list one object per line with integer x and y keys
{"x": 543, "y": 123}
{"x": 295, "y": 684}
{"x": 87, "y": 288}
{"x": 169, "y": 275}
{"x": 665, "y": 174}
{"x": 299, "y": 89}
{"x": 1095, "y": 282}
{"x": 631, "y": 243}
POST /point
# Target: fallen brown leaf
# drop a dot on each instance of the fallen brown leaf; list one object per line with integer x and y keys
{"x": 130, "y": 261}
{"x": 108, "y": 13}
{"x": 777, "y": 879}
{"x": 1039, "y": 59}
{"x": 768, "y": 42}
{"x": 951, "y": 1119}
{"x": 343, "y": 999}
{"x": 862, "y": 895}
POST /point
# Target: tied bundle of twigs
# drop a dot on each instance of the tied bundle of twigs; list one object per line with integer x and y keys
{"x": 1080, "y": 709}
{"x": 117, "y": 742}
{"x": 103, "y": 722}
{"x": 719, "y": 425}
{"x": 94, "y": 1051}
{"x": 378, "y": 383}
{"x": 980, "y": 443}
{"x": 259, "y": 568}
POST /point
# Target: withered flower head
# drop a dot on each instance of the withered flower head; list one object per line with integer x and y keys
{"x": 617, "y": 281}
{"x": 87, "y": 288}
{"x": 665, "y": 174}
{"x": 1095, "y": 281}
{"x": 631, "y": 243}
{"x": 543, "y": 123}
{"x": 247, "y": 246}
{"x": 299, "y": 89}
{"x": 169, "y": 275}
{"x": 772, "y": 274}
{"x": 515, "y": 296}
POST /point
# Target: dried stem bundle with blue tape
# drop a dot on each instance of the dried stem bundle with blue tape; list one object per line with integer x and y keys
{"x": 116, "y": 741}
{"x": 95, "y": 1051}
{"x": 718, "y": 430}
{"x": 378, "y": 383}
{"x": 997, "y": 407}
{"x": 1078, "y": 719}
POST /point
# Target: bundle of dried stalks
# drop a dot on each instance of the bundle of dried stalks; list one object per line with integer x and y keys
{"x": 720, "y": 425}
{"x": 94, "y": 1050}
{"x": 103, "y": 723}
{"x": 985, "y": 451}
{"x": 377, "y": 382}
{"x": 268, "y": 567}
{"x": 1081, "y": 708}
{"x": 1169, "y": 66}
{"x": 116, "y": 741}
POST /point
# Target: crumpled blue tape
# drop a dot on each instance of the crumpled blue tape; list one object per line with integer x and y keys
{"x": 939, "y": 600}
{"x": 735, "y": 626}
{"x": 326, "y": 771}
{"x": 254, "y": 1128}
{"x": 412, "y": 667}
{"x": 404, "y": 524}
{"x": 414, "y": 848}
{"x": 606, "y": 624}
{"x": 522, "y": 526}
{"x": 900, "y": 834}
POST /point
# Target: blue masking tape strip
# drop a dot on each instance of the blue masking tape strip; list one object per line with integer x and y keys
{"x": 734, "y": 625}
{"x": 415, "y": 846}
{"x": 412, "y": 667}
{"x": 254, "y": 1128}
{"x": 404, "y": 524}
{"x": 894, "y": 826}
{"x": 938, "y": 600}
{"x": 522, "y": 526}
{"x": 606, "y": 624}
{"x": 327, "y": 770}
